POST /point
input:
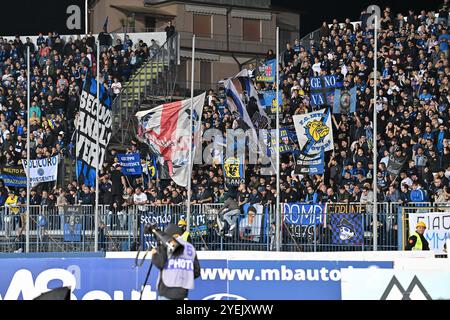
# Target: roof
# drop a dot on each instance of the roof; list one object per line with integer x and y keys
{"x": 149, "y": 11}
{"x": 200, "y": 55}
{"x": 260, "y": 4}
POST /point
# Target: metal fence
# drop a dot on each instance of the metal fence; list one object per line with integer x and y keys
{"x": 306, "y": 228}
{"x": 311, "y": 39}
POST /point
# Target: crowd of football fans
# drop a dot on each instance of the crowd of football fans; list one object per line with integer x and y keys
{"x": 58, "y": 67}
{"x": 413, "y": 115}
{"x": 413, "y": 119}
{"x": 412, "y": 104}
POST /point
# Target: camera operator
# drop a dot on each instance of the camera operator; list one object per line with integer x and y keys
{"x": 177, "y": 273}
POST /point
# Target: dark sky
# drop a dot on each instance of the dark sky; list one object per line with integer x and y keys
{"x": 316, "y": 11}
{"x": 29, "y": 17}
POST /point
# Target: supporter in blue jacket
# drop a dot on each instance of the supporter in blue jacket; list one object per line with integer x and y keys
{"x": 417, "y": 194}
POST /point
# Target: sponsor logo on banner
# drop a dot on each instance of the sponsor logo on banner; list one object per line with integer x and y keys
{"x": 396, "y": 284}
{"x": 347, "y": 224}
{"x": 395, "y": 287}
{"x": 13, "y": 177}
{"x": 101, "y": 278}
{"x": 90, "y": 131}
{"x": 131, "y": 163}
{"x": 437, "y": 231}
{"x": 42, "y": 170}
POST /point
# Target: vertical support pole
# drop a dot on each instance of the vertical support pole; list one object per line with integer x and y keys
{"x": 146, "y": 79}
{"x": 86, "y": 16}
{"x": 398, "y": 212}
{"x": 277, "y": 150}
{"x": 27, "y": 231}
{"x": 191, "y": 156}
{"x": 178, "y": 49}
{"x": 375, "y": 168}
{"x": 97, "y": 167}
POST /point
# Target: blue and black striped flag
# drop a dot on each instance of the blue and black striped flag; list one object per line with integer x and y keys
{"x": 90, "y": 130}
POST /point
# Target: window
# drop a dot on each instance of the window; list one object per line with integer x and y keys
{"x": 183, "y": 73}
{"x": 202, "y": 25}
{"x": 150, "y": 24}
{"x": 252, "y": 30}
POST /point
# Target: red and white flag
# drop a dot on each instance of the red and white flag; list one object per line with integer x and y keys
{"x": 166, "y": 130}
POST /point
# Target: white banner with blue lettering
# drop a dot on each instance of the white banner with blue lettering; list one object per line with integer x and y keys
{"x": 42, "y": 170}
{"x": 437, "y": 231}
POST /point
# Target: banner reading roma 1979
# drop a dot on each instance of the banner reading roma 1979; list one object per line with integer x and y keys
{"x": 301, "y": 219}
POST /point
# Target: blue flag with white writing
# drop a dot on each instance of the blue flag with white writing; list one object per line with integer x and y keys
{"x": 314, "y": 164}
{"x": 131, "y": 163}
{"x": 322, "y": 90}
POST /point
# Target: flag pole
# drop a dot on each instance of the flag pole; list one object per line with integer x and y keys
{"x": 188, "y": 213}
{"x": 27, "y": 234}
{"x": 277, "y": 150}
{"x": 97, "y": 169}
{"x": 374, "y": 138}
{"x": 86, "y": 16}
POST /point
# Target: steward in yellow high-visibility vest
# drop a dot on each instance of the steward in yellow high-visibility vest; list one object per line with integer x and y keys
{"x": 417, "y": 240}
{"x": 186, "y": 236}
{"x": 11, "y": 203}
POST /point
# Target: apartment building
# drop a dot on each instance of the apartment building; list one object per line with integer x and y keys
{"x": 229, "y": 33}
